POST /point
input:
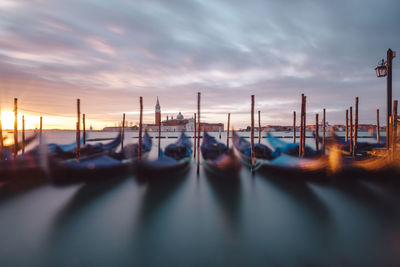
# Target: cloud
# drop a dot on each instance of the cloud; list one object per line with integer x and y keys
{"x": 110, "y": 53}
{"x": 100, "y": 46}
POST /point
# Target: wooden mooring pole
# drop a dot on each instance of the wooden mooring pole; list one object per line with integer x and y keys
{"x": 122, "y": 130}
{"x": 316, "y": 132}
{"x": 23, "y": 134}
{"x": 84, "y": 128}
{"x": 252, "y": 134}
{"x": 389, "y": 59}
{"x": 323, "y": 130}
{"x": 259, "y": 127}
{"x": 227, "y": 130}
{"x": 40, "y": 130}
{"x": 294, "y": 126}
{"x": 140, "y": 129}
{"x": 15, "y": 128}
{"x": 198, "y": 132}
{"x": 194, "y": 135}
{"x": 78, "y": 130}
{"x": 394, "y": 128}
{"x": 378, "y": 130}
{"x": 159, "y": 137}
{"x": 347, "y": 126}
{"x": 351, "y": 130}
{"x": 301, "y": 126}
{"x": 1, "y": 137}
{"x": 355, "y": 129}
{"x": 304, "y": 128}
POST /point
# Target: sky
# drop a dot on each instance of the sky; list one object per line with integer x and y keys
{"x": 109, "y": 53}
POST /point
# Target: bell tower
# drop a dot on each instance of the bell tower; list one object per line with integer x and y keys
{"x": 158, "y": 113}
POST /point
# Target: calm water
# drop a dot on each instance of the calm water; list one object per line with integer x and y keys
{"x": 200, "y": 221}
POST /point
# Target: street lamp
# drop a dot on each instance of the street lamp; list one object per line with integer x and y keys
{"x": 381, "y": 69}
{"x": 385, "y": 69}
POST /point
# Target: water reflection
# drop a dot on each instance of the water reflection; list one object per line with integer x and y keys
{"x": 378, "y": 204}
{"x": 227, "y": 192}
{"x": 22, "y": 184}
{"x": 302, "y": 194}
{"x": 157, "y": 193}
{"x": 203, "y": 220}
{"x": 84, "y": 196}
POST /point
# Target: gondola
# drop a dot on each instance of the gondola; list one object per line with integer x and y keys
{"x": 362, "y": 147}
{"x": 339, "y": 164}
{"x": 275, "y": 162}
{"x": 8, "y": 150}
{"x": 291, "y": 149}
{"x": 219, "y": 160}
{"x": 62, "y": 150}
{"x": 175, "y": 160}
{"x": 27, "y": 170}
{"x": 97, "y": 166}
{"x": 379, "y": 168}
{"x": 87, "y": 150}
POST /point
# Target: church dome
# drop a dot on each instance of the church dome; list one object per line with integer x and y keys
{"x": 180, "y": 116}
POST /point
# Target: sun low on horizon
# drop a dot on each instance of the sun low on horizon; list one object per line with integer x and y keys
{"x": 48, "y": 122}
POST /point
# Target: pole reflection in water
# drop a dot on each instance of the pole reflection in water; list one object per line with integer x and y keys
{"x": 227, "y": 193}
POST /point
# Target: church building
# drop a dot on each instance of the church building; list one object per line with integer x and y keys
{"x": 179, "y": 124}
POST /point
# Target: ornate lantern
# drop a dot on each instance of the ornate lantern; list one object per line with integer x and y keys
{"x": 381, "y": 70}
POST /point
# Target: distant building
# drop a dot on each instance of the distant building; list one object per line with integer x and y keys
{"x": 211, "y": 127}
{"x": 274, "y": 128}
{"x": 117, "y": 128}
{"x": 158, "y": 113}
{"x": 112, "y": 129}
{"x": 367, "y": 127}
{"x": 177, "y": 125}
{"x": 180, "y": 123}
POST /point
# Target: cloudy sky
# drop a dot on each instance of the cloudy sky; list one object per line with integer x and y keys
{"x": 108, "y": 53}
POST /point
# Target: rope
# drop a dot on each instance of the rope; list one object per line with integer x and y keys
{"x": 66, "y": 116}
{"x": 257, "y": 165}
{"x": 47, "y": 113}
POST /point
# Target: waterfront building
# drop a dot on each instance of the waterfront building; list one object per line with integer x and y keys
{"x": 180, "y": 123}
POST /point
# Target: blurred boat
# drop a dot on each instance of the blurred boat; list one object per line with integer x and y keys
{"x": 376, "y": 169}
{"x": 291, "y": 149}
{"x": 98, "y": 166}
{"x": 69, "y": 151}
{"x": 25, "y": 171}
{"x": 218, "y": 158}
{"x": 62, "y": 151}
{"x": 362, "y": 147}
{"x": 32, "y": 167}
{"x": 275, "y": 162}
{"x": 8, "y": 150}
{"x": 339, "y": 164}
{"x": 174, "y": 160}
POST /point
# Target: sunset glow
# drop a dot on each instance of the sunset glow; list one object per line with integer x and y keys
{"x": 49, "y": 122}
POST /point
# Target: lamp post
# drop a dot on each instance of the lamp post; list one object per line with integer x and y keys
{"x": 385, "y": 69}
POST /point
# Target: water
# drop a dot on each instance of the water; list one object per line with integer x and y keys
{"x": 253, "y": 220}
